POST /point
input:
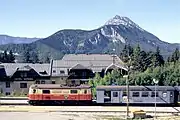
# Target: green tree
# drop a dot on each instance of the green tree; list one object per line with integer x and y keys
{"x": 5, "y": 57}
{"x": 157, "y": 59}
{"x": 34, "y": 57}
{"x": 27, "y": 57}
{"x": 126, "y": 53}
{"x": 137, "y": 59}
{"x": 175, "y": 55}
{"x": 11, "y": 57}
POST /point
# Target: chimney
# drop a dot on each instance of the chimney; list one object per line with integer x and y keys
{"x": 51, "y": 65}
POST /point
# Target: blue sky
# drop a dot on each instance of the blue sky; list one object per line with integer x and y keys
{"x": 41, "y": 18}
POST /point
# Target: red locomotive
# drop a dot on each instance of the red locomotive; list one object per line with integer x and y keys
{"x": 57, "y": 94}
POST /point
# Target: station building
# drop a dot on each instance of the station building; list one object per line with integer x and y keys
{"x": 15, "y": 78}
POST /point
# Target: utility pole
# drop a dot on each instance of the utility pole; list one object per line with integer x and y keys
{"x": 155, "y": 82}
{"x": 127, "y": 88}
{"x": 127, "y": 84}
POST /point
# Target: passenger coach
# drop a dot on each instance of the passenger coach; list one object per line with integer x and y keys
{"x": 57, "y": 94}
{"x": 137, "y": 94}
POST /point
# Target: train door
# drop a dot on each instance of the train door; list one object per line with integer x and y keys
{"x": 107, "y": 96}
{"x": 115, "y": 97}
{"x": 171, "y": 97}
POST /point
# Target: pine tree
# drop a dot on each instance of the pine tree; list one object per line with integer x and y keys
{"x": 136, "y": 59}
{"x": 5, "y": 57}
{"x": 157, "y": 59}
{"x": 126, "y": 53}
{"x": 47, "y": 59}
{"x": 11, "y": 57}
{"x": 175, "y": 56}
{"x": 35, "y": 57}
{"x": 27, "y": 57}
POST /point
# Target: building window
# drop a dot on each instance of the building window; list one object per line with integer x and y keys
{"x": 42, "y": 82}
{"x": 135, "y": 94}
{"x": 53, "y": 82}
{"x": 84, "y": 74}
{"x": 46, "y": 91}
{"x": 62, "y": 72}
{"x": 8, "y": 85}
{"x": 23, "y": 85}
{"x": 23, "y": 75}
{"x": 8, "y": 93}
{"x": 145, "y": 94}
{"x": 115, "y": 94}
{"x": 37, "y": 82}
{"x": 54, "y": 71}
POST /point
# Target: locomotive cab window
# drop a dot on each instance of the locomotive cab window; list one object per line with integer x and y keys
{"x": 46, "y": 91}
{"x": 85, "y": 91}
{"x": 34, "y": 91}
{"x": 135, "y": 94}
{"x": 74, "y": 91}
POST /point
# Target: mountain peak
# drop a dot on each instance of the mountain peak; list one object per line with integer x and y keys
{"x": 120, "y": 20}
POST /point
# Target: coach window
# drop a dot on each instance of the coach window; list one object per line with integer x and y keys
{"x": 46, "y": 91}
{"x": 145, "y": 94}
{"x": 124, "y": 93}
{"x": 153, "y": 94}
{"x": 135, "y": 94}
{"x": 115, "y": 94}
{"x": 74, "y": 91}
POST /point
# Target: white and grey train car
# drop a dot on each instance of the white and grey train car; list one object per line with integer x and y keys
{"x": 137, "y": 94}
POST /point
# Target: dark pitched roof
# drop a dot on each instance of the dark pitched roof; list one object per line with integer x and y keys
{"x": 78, "y": 66}
{"x": 95, "y": 62}
{"x": 11, "y": 68}
{"x": 2, "y": 71}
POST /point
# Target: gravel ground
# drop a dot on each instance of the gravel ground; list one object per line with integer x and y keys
{"x": 67, "y": 116}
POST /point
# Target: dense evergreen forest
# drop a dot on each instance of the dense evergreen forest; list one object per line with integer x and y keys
{"x": 145, "y": 66}
{"x": 7, "y": 57}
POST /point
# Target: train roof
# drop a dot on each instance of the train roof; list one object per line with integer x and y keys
{"x": 57, "y": 86}
{"x": 136, "y": 88}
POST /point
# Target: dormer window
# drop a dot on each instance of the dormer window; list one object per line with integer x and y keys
{"x": 62, "y": 72}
